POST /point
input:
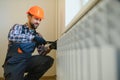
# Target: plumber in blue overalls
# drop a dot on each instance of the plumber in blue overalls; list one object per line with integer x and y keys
{"x": 23, "y": 39}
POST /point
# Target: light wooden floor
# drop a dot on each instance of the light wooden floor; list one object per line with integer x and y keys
{"x": 1, "y": 78}
{"x": 48, "y": 78}
{"x": 43, "y": 78}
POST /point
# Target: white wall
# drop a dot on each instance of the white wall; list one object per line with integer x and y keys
{"x": 14, "y": 11}
{"x": 61, "y": 17}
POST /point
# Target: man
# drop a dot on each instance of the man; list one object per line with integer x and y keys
{"x": 23, "y": 39}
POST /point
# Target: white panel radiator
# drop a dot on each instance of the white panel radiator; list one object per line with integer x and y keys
{"x": 90, "y": 50}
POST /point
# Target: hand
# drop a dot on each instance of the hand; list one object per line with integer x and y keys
{"x": 42, "y": 50}
{"x": 47, "y": 49}
{"x": 53, "y": 45}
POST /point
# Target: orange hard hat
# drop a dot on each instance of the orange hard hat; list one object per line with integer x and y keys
{"x": 36, "y": 11}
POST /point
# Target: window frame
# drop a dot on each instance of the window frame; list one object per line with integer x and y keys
{"x": 82, "y": 12}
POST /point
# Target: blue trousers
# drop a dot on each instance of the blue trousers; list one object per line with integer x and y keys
{"x": 34, "y": 67}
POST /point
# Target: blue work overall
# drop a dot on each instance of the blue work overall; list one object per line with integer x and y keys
{"x": 17, "y": 64}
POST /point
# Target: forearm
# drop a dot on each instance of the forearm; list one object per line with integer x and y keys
{"x": 39, "y": 40}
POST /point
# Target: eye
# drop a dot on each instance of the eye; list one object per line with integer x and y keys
{"x": 38, "y": 19}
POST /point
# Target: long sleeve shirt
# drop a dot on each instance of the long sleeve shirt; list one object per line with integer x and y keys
{"x": 22, "y": 34}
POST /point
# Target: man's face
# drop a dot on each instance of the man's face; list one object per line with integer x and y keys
{"x": 34, "y": 22}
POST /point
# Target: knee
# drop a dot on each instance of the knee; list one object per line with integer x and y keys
{"x": 50, "y": 61}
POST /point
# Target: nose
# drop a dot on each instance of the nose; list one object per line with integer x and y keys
{"x": 38, "y": 20}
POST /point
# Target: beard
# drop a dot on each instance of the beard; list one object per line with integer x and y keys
{"x": 34, "y": 25}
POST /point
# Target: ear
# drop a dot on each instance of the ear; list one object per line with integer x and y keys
{"x": 29, "y": 16}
